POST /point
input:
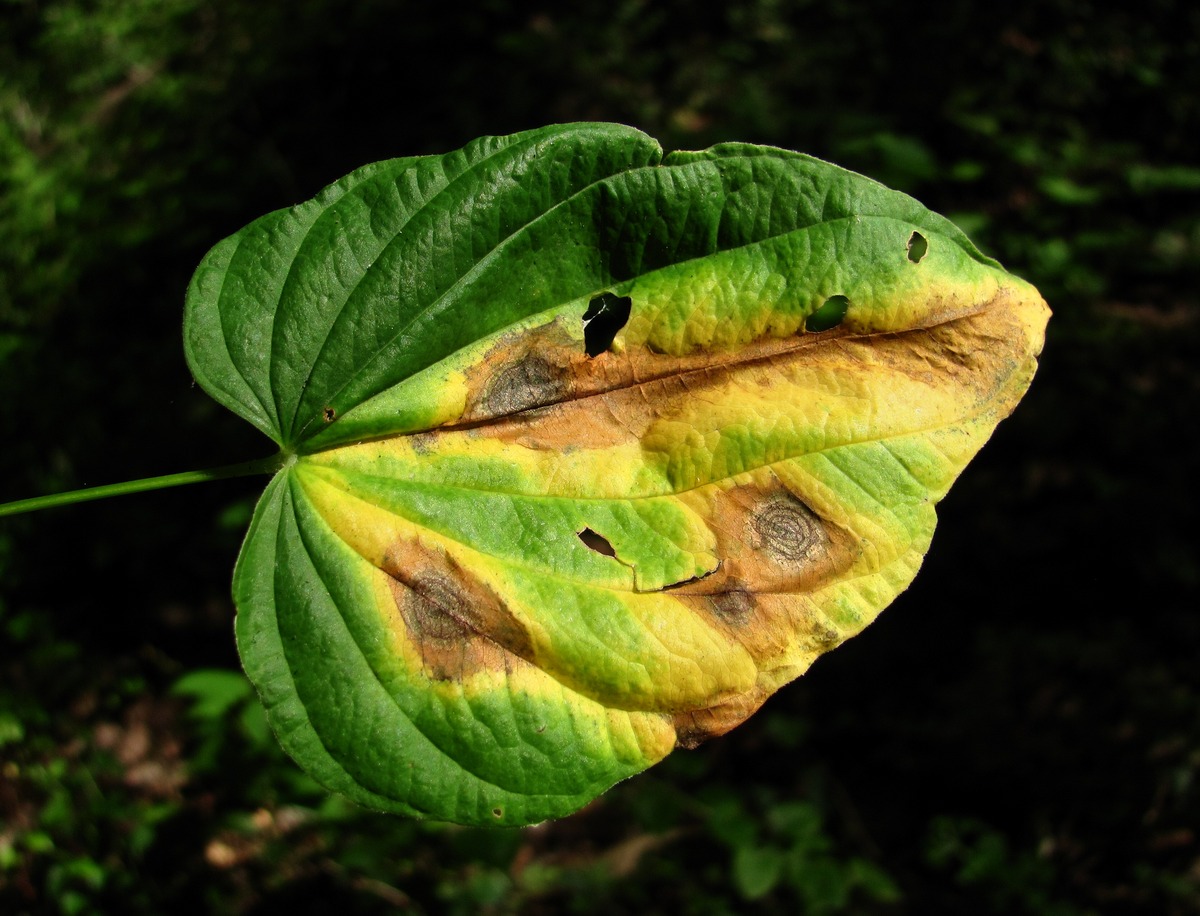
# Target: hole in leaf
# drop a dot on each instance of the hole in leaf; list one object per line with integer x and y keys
{"x": 918, "y": 245}
{"x": 829, "y": 315}
{"x": 704, "y": 575}
{"x": 596, "y": 542}
{"x": 330, "y": 414}
{"x": 605, "y": 316}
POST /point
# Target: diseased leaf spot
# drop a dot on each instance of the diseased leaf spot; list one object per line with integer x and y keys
{"x": 605, "y": 316}
{"x": 430, "y": 615}
{"x": 596, "y": 542}
{"x": 690, "y": 736}
{"x": 456, "y": 622}
{"x": 695, "y": 726}
{"x": 918, "y": 245}
{"x": 829, "y": 315}
{"x": 329, "y": 414}
{"x": 497, "y": 812}
{"x": 530, "y": 382}
{"x": 789, "y": 531}
{"x": 733, "y": 606}
{"x": 826, "y": 637}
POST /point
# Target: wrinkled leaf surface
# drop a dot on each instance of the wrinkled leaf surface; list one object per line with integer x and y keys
{"x": 587, "y": 450}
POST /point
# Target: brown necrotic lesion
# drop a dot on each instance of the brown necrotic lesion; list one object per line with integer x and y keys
{"x": 449, "y": 648}
{"x": 524, "y": 370}
{"x": 695, "y": 726}
{"x": 775, "y": 553}
{"x": 531, "y": 381}
{"x": 786, "y": 529}
{"x": 454, "y": 620}
{"x": 769, "y": 539}
{"x": 733, "y": 605}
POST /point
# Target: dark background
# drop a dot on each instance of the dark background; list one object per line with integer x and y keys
{"x": 1019, "y": 733}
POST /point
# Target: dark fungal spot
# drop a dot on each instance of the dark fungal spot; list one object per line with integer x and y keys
{"x": 734, "y": 605}
{"x": 530, "y": 382}
{"x": 918, "y": 246}
{"x": 453, "y": 620}
{"x": 421, "y": 442}
{"x": 597, "y": 542}
{"x": 689, "y": 735}
{"x": 430, "y": 611}
{"x": 787, "y": 529}
{"x": 829, "y": 315}
{"x": 695, "y": 726}
{"x": 497, "y": 812}
{"x": 605, "y": 316}
{"x": 329, "y": 414}
{"x": 826, "y": 637}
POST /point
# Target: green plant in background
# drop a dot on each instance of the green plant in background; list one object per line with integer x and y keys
{"x": 785, "y": 845}
{"x": 1015, "y": 880}
{"x": 584, "y": 450}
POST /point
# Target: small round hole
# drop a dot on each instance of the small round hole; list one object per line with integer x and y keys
{"x": 829, "y": 315}
{"x": 918, "y": 245}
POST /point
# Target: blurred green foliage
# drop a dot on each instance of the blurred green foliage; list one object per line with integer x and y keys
{"x": 1020, "y": 733}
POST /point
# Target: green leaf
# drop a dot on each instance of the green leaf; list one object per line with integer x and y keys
{"x": 585, "y": 450}
{"x": 213, "y": 691}
{"x": 756, "y": 870}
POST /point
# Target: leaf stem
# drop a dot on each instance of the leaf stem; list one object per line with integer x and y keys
{"x": 266, "y": 465}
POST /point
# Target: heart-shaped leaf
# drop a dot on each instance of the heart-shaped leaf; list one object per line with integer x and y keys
{"x": 586, "y": 451}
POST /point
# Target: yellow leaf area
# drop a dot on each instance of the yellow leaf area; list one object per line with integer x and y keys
{"x": 669, "y": 531}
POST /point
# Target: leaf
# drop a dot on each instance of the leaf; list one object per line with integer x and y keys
{"x": 213, "y": 691}
{"x": 586, "y": 450}
{"x": 756, "y": 870}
